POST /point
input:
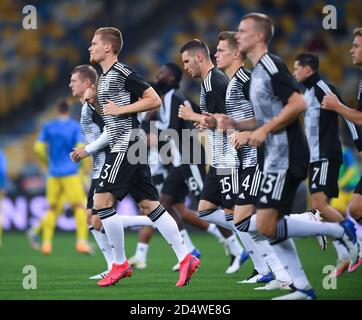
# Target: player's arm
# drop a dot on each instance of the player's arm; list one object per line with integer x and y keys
{"x": 40, "y": 149}
{"x": 149, "y": 101}
{"x": 225, "y": 122}
{"x": 100, "y": 143}
{"x": 331, "y": 102}
{"x": 291, "y": 111}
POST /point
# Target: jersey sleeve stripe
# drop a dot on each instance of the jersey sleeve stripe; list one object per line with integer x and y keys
{"x": 269, "y": 64}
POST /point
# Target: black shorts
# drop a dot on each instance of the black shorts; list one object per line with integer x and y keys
{"x": 323, "y": 177}
{"x": 358, "y": 188}
{"x": 249, "y": 183}
{"x": 93, "y": 186}
{"x": 183, "y": 180}
{"x": 221, "y": 187}
{"x": 119, "y": 177}
{"x": 158, "y": 181}
{"x": 277, "y": 191}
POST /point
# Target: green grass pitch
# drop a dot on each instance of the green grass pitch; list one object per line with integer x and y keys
{"x": 64, "y": 274}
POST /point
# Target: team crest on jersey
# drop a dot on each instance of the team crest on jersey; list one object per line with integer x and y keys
{"x": 106, "y": 85}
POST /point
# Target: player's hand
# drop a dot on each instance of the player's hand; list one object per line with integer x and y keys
{"x": 330, "y": 102}
{"x": 90, "y": 94}
{"x": 111, "y": 109}
{"x": 208, "y": 121}
{"x": 185, "y": 111}
{"x": 73, "y": 157}
{"x": 239, "y": 139}
{"x": 80, "y": 153}
{"x": 257, "y": 137}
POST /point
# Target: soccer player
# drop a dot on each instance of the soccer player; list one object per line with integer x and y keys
{"x": 187, "y": 173}
{"x": 82, "y": 83}
{"x": 239, "y": 109}
{"x": 122, "y": 93}
{"x": 221, "y": 182}
{"x": 2, "y": 189}
{"x": 56, "y": 140}
{"x": 331, "y": 102}
{"x": 277, "y": 105}
{"x": 322, "y": 131}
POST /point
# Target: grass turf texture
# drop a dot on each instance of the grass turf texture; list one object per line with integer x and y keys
{"x": 64, "y": 274}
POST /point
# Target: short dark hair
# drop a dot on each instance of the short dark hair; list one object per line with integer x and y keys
{"x": 175, "y": 70}
{"x": 86, "y": 72}
{"x": 196, "y": 45}
{"x": 113, "y": 36}
{"x": 230, "y": 37}
{"x": 263, "y": 23}
{"x": 63, "y": 107}
{"x": 308, "y": 59}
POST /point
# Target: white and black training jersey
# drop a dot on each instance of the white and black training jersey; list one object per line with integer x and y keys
{"x": 212, "y": 100}
{"x": 271, "y": 85}
{"x": 123, "y": 86}
{"x": 239, "y": 108}
{"x": 92, "y": 126}
{"x": 186, "y": 148}
{"x": 321, "y": 126}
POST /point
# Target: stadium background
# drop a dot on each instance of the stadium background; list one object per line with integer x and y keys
{"x": 35, "y": 64}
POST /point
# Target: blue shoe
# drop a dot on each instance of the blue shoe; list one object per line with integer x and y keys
{"x": 244, "y": 257}
{"x": 196, "y": 253}
{"x": 349, "y": 239}
{"x": 266, "y": 279}
{"x": 299, "y": 294}
{"x": 349, "y": 229}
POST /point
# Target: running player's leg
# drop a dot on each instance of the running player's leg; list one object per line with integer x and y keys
{"x": 74, "y": 191}
{"x": 115, "y": 180}
{"x": 146, "y": 195}
{"x": 53, "y": 195}
{"x": 354, "y": 211}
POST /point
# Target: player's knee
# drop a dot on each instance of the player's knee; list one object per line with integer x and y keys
{"x": 355, "y": 209}
{"x": 96, "y": 222}
{"x": 319, "y": 202}
{"x": 148, "y": 206}
{"x": 265, "y": 229}
{"x": 102, "y": 201}
{"x": 89, "y": 216}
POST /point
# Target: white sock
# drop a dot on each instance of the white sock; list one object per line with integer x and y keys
{"x": 216, "y": 216}
{"x": 103, "y": 244}
{"x": 214, "y": 230}
{"x": 115, "y": 233}
{"x": 141, "y": 251}
{"x": 254, "y": 252}
{"x": 135, "y": 221}
{"x": 273, "y": 261}
{"x": 234, "y": 245}
{"x": 187, "y": 240}
{"x": 301, "y": 216}
{"x": 252, "y": 224}
{"x": 342, "y": 253}
{"x": 169, "y": 230}
{"x": 299, "y": 228}
{"x": 287, "y": 253}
